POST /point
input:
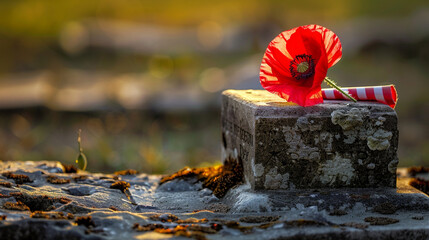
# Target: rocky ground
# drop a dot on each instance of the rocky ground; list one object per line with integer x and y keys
{"x": 46, "y": 200}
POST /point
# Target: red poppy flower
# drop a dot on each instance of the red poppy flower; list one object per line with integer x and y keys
{"x": 296, "y": 62}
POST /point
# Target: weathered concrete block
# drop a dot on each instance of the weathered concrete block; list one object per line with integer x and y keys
{"x": 331, "y": 145}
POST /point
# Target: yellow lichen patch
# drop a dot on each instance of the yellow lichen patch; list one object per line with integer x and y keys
{"x": 192, "y": 220}
{"x": 16, "y": 206}
{"x": 167, "y": 217}
{"x": 219, "y": 179}
{"x": 51, "y": 215}
{"x": 191, "y": 231}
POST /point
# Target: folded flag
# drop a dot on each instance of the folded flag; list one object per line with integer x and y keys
{"x": 383, "y": 94}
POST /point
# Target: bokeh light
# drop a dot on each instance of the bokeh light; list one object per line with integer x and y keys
{"x": 142, "y": 79}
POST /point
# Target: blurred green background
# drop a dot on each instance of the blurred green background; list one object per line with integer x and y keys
{"x": 142, "y": 79}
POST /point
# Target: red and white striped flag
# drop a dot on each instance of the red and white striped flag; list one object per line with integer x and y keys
{"x": 383, "y": 94}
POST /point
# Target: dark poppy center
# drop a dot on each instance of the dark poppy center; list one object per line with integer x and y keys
{"x": 302, "y": 67}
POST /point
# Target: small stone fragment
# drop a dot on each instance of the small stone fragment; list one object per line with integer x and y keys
{"x": 381, "y": 220}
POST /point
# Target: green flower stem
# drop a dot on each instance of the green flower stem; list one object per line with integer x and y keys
{"x": 334, "y": 85}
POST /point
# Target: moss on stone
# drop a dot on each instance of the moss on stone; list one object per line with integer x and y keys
{"x": 56, "y": 180}
{"x": 126, "y": 172}
{"x": 219, "y": 179}
{"x": 121, "y": 185}
{"x": 18, "y": 178}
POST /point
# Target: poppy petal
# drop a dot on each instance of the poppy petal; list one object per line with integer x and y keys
{"x": 296, "y": 62}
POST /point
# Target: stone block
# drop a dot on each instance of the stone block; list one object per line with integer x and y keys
{"x": 331, "y": 145}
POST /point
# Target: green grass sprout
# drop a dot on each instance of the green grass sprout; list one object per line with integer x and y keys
{"x": 81, "y": 159}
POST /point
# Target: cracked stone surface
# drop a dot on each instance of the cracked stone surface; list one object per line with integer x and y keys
{"x": 88, "y": 208}
{"x": 283, "y": 146}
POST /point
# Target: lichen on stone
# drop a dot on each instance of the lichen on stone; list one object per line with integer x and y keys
{"x": 349, "y": 119}
{"x": 274, "y": 180}
{"x": 392, "y": 166}
{"x": 379, "y": 140}
{"x": 258, "y": 170}
{"x": 297, "y": 148}
{"x": 339, "y": 169}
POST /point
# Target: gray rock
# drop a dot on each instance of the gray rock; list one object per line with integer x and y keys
{"x": 180, "y": 185}
{"x": 81, "y": 190}
{"x": 144, "y": 208}
{"x": 301, "y": 214}
{"x": 331, "y": 145}
{"x": 42, "y": 229}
